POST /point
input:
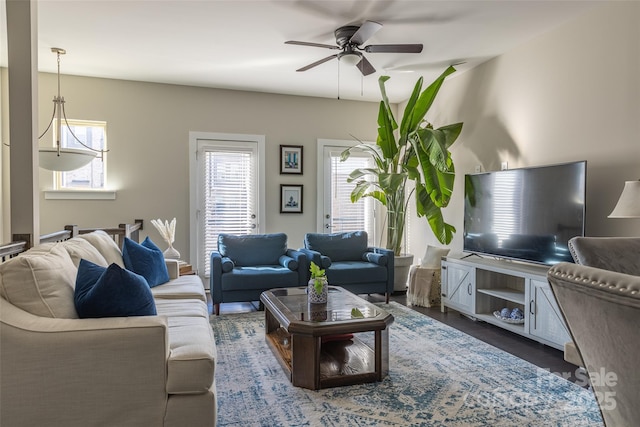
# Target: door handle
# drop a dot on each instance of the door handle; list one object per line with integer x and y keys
{"x": 531, "y": 305}
{"x": 253, "y": 226}
{"x": 469, "y": 288}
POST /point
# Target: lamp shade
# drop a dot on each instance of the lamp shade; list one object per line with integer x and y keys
{"x": 67, "y": 160}
{"x": 629, "y": 203}
{"x": 351, "y": 59}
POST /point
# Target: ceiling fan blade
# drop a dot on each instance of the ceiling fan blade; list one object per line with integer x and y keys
{"x": 366, "y": 30}
{"x": 393, "y": 48}
{"x": 322, "y": 61}
{"x": 365, "y": 67}
{"x": 328, "y": 46}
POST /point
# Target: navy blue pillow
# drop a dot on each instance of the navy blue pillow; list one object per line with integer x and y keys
{"x": 111, "y": 292}
{"x": 145, "y": 259}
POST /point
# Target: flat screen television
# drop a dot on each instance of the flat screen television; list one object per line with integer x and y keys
{"x": 526, "y": 214}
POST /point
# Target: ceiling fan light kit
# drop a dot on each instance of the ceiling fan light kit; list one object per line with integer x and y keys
{"x": 350, "y": 58}
{"x": 349, "y": 39}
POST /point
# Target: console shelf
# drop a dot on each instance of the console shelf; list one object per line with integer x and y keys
{"x": 490, "y": 318}
{"x": 478, "y": 287}
{"x": 505, "y": 294}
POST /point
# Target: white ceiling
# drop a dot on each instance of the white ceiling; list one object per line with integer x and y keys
{"x": 240, "y": 44}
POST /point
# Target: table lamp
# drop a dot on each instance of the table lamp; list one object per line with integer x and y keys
{"x": 628, "y": 205}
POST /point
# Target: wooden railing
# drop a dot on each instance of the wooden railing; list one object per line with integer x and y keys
{"x": 22, "y": 243}
{"x": 9, "y": 250}
{"x": 118, "y": 234}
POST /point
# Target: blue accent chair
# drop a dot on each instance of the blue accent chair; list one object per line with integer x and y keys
{"x": 247, "y": 265}
{"x": 350, "y": 263}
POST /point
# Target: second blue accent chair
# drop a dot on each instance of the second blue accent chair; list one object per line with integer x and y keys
{"x": 350, "y": 263}
{"x": 247, "y": 265}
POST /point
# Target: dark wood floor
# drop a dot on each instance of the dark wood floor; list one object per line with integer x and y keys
{"x": 538, "y": 354}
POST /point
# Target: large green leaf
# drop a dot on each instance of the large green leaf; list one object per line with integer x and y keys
{"x": 445, "y": 183}
{"x": 423, "y": 201}
{"x": 360, "y": 190}
{"x": 374, "y": 150}
{"x": 385, "y": 101}
{"x": 426, "y": 99}
{"x": 359, "y": 173}
{"x": 379, "y": 196}
{"x": 451, "y": 133}
{"x": 433, "y": 142}
{"x": 442, "y": 231}
{"x": 386, "y": 138}
{"x": 391, "y": 182}
{"x": 408, "y": 112}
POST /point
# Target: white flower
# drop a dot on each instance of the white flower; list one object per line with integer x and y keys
{"x": 166, "y": 229}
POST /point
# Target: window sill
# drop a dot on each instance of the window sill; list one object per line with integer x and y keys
{"x": 79, "y": 195}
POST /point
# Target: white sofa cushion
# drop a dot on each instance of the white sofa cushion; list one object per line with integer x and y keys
{"x": 192, "y": 355}
{"x": 77, "y": 249}
{"x": 181, "y": 308}
{"x": 81, "y": 249}
{"x": 105, "y": 245}
{"x": 184, "y": 287}
{"x": 41, "y": 282}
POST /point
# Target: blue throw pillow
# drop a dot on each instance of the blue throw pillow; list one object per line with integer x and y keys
{"x": 288, "y": 262}
{"x": 227, "y": 264}
{"x": 380, "y": 259}
{"x": 111, "y": 292}
{"x": 145, "y": 259}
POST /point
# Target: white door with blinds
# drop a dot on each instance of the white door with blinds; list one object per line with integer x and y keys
{"x": 338, "y": 213}
{"x": 227, "y": 191}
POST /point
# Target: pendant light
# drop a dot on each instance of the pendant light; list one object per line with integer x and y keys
{"x": 58, "y": 158}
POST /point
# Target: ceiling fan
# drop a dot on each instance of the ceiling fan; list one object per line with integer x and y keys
{"x": 349, "y": 40}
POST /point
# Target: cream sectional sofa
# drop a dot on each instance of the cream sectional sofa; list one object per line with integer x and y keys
{"x": 59, "y": 370}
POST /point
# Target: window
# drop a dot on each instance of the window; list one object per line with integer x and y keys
{"x": 94, "y": 175}
{"x": 227, "y": 178}
{"x": 345, "y": 215}
{"x": 337, "y": 213}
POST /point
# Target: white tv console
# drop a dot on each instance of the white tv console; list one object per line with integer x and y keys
{"x": 478, "y": 286}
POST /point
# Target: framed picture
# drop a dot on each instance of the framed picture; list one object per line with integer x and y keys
{"x": 290, "y": 198}
{"x": 291, "y": 159}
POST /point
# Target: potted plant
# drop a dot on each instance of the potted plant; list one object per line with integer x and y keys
{"x": 317, "y": 289}
{"x": 415, "y": 151}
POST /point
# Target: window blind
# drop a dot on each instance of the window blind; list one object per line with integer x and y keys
{"x": 229, "y": 196}
{"x": 345, "y": 215}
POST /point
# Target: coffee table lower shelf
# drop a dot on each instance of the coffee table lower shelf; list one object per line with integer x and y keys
{"x": 341, "y": 362}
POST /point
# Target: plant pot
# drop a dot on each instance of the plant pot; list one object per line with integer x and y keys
{"x": 171, "y": 253}
{"x": 402, "y": 264}
{"x": 314, "y": 297}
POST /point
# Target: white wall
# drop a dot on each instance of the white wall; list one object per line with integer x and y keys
{"x": 570, "y": 94}
{"x": 148, "y": 129}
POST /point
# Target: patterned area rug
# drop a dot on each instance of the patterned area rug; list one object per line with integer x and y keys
{"x": 438, "y": 376}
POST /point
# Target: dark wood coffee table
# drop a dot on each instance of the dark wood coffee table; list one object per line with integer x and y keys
{"x": 323, "y": 345}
